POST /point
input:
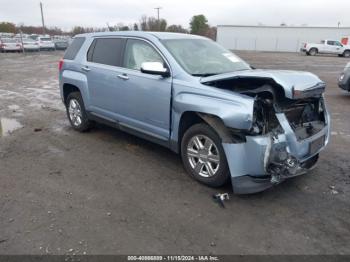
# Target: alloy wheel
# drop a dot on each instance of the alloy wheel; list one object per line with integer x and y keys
{"x": 203, "y": 156}
{"x": 75, "y": 113}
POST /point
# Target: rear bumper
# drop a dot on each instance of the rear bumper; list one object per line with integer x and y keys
{"x": 11, "y": 49}
{"x": 263, "y": 161}
{"x": 31, "y": 48}
{"x": 47, "y": 46}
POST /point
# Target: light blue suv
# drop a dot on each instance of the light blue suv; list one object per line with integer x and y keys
{"x": 228, "y": 121}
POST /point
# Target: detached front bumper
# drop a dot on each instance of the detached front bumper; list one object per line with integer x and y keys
{"x": 263, "y": 161}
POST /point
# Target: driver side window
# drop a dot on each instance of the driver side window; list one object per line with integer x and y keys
{"x": 138, "y": 52}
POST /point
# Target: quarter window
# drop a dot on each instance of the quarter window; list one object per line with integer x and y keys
{"x": 138, "y": 52}
{"x": 74, "y": 48}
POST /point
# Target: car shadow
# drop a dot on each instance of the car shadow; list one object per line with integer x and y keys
{"x": 174, "y": 162}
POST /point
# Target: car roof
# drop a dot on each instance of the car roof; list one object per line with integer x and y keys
{"x": 148, "y": 34}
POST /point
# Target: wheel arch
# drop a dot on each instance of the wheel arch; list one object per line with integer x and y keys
{"x": 68, "y": 89}
{"x": 74, "y": 81}
{"x": 346, "y": 50}
{"x": 313, "y": 48}
{"x": 190, "y": 118}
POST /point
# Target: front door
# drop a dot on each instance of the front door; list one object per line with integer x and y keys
{"x": 145, "y": 100}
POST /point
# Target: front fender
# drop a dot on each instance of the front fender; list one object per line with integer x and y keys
{"x": 234, "y": 112}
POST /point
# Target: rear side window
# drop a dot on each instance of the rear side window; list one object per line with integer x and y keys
{"x": 74, "y": 48}
{"x": 107, "y": 51}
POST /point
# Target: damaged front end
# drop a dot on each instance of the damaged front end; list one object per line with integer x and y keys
{"x": 290, "y": 127}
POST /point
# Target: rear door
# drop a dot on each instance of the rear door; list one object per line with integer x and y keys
{"x": 102, "y": 68}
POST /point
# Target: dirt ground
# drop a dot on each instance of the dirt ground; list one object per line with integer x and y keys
{"x": 107, "y": 192}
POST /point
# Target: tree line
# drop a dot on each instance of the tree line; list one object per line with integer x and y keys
{"x": 198, "y": 25}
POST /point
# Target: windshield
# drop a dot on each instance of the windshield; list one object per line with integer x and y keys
{"x": 45, "y": 39}
{"x": 202, "y": 57}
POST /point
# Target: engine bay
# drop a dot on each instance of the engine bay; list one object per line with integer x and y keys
{"x": 305, "y": 115}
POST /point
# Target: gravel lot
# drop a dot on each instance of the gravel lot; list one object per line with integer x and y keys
{"x": 107, "y": 192}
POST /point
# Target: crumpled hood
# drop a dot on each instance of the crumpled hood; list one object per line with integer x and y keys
{"x": 291, "y": 81}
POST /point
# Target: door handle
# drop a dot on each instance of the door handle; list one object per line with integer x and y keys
{"x": 86, "y": 68}
{"x": 123, "y": 76}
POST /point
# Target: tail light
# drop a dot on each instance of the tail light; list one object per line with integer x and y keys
{"x": 60, "y": 64}
{"x": 305, "y": 45}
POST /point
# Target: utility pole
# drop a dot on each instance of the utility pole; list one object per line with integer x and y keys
{"x": 42, "y": 17}
{"x": 158, "y": 8}
{"x": 21, "y": 34}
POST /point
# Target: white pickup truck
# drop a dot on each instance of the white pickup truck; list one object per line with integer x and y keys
{"x": 326, "y": 47}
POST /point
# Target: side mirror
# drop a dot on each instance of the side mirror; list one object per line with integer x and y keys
{"x": 154, "y": 68}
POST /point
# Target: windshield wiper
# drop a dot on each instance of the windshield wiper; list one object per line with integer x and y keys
{"x": 207, "y": 74}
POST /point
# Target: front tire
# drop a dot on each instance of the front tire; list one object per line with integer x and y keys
{"x": 76, "y": 112}
{"x": 203, "y": 156}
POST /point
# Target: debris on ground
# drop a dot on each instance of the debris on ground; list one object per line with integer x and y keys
{"x": 333, "y": 190}
{"x": 37, "y": 129}
{"x": 220, "y": 198}
{"x": 3, "y": 240}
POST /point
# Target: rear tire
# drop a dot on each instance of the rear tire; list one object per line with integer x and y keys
{"x": 76, "y": 112}
{"x": 313, "y": 51}
{"x": 203, "y": 156}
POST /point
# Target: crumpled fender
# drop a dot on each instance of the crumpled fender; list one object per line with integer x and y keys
{"x": 235, "y": 113}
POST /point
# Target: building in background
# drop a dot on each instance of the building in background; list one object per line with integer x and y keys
{"x": 275, "y": 38}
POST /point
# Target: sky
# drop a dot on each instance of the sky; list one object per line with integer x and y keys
{"x": 96, "y": 13}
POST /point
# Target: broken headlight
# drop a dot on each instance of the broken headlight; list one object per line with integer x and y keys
{"x": 258, "y": 125}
